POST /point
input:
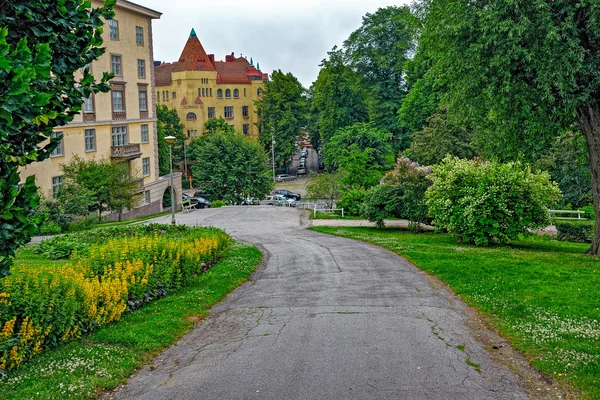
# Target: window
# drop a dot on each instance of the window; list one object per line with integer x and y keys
{"x": 210, "y": 95}
{"x": 143, "y": 101}
{"x": 88, "y": 104}
{"x": 174, "y": 95}
{"x": 141, "y": 68}
{"x": 115, "y": 64}
{"x": 117, "y": 100}
{"x": 190, "y": 117}
{"x": 157, "y": 95}
{"x": 236, "y": 93}
{"x": 194, "y": 133}
{"x": 203, "y": 92}
{"x": 147, "y": 196}
{"x": 90, "y": 140}
{"x": 119, "y": 136}
{"x": 139, "y": 35}
{"x": 228, "y": 112}
{"x": 57, "y": 182}
{"x": 246, "y": 129}
{"x": 59, "y": 150}
{"x": 113, "y": 26}
{"x": 166, "y": 94}
{"x": 199, "y": 92}
{"x": 144, "y": 133}
{"x": 245, "y": 92}
{"x": 219, "y": 93}
{"x": 245, "y": 111}
{"x": 258, "y": 92}
{"x": 146, "y": 166}
{"x": 211, "y": 112}
{"x": 227, "y": 93}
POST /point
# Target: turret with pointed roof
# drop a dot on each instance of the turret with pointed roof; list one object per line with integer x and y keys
{"x": 194, "y": 57}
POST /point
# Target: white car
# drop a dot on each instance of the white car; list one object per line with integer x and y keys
{"x": 285, "y": 177}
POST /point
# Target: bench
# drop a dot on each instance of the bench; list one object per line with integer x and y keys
{"x": 187, "y": 205}
{"x": 553, "y": 214}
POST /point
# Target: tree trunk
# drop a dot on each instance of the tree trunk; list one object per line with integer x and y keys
{"x": 589, "y": 122}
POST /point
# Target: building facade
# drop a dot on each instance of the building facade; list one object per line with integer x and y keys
{"x": 201, "y": 89}
{"x": 119, "y": 125}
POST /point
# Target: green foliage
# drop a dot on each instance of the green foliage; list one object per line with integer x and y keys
{"x": 575, "y": 231}
{"x": 341, "y": 150}
{"x": 109, "y": 184}
{"x": 338, "y": 98}
{"x": 325, "y": 186}
{"x": 568, "y": 164}
{"x": 352, "y": 200}
{"x": 216, "y": 125}
{"x": 378, "y": 51}
{"x": 439, "y": 138}
{"x": 42, "y": 45}
{"x": 401, "y": 195}
{"x": 59, "y": 247}
{"x": 284, "y": 107}
{"x": 230, "y": 166}
{"x": 169, "y": 124}
{"x": 49, "y": 228}
{"x": 485, "y": 202}
{"x": 218, "y": 204}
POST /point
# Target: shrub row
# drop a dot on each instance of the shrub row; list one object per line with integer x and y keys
{"x": 42, "y": 307}
{"x": 575, "y": 231}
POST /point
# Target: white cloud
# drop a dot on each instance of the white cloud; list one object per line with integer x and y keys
{"x": 293, "y": 36}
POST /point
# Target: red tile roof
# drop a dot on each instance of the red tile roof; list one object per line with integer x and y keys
{"x": 162, "y": 74}
{"x": 193, "y": 57}
{"x": 233, "y": 71}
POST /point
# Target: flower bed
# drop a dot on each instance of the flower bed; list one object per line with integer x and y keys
{"x": 118, "y": 270}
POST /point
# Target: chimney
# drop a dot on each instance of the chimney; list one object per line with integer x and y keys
{"x": 230, "y": 58}
{"x": 211, "y": 57}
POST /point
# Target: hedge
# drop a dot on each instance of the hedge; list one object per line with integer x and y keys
{"x": 41, "y": 307}
{"x": 575, "y": 231}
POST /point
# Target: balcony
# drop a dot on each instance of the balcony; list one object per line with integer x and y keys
{"x": 127, "y": 152}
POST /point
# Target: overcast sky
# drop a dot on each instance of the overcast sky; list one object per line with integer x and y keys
{"x": 292, "y": 35}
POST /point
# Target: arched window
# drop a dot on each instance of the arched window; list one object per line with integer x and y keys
{"x": 228, "y": 93}
{"x": 219, "y": 93}
{"x": 236, "y": 93}
{"x": 190, "y": 117}
{"x": 258, "y": 92}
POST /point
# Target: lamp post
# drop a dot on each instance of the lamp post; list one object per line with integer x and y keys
{"x": 170, "y": 140}
{"x": 273, "y": 154}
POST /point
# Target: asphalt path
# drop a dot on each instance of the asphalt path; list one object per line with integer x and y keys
{"x": 323, "y": 318}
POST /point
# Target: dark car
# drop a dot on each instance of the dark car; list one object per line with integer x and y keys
{"x": 287, "y": 194}
{"x": 197, "y": 201}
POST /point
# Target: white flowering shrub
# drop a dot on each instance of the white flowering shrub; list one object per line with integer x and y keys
{"x": 484, "y": 202}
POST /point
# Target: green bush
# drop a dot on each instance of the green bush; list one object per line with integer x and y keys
{"x": 485, "y": 202}
{"x": 217, "y": 204}
{"x": 59, "y": 247}
{"x": 352, "y": 201}
{"x": 575, "y": 231}
{"x": 401, "y": 195}
{"x": 49, "y": 228}
{"x": 589, "y": 211}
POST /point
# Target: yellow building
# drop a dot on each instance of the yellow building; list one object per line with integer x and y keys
{"x": 119, "y": 125}
{"x": 200, "y": 89}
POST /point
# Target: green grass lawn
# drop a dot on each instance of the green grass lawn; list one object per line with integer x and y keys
{"x": 82, "y": 369}
{"x": 541, "y": 294}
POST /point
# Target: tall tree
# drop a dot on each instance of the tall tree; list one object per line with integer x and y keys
{"x": 111, "y": 184}
{"x": 522, "y": 72}
{"x": 338, "y": 98}
{"x": 42, "y": 45}
{"x": 378, "y": 51}
{"x": 283, "y": 106}
{"x": 168, "y": 124}
{"x": 230, "y": 166}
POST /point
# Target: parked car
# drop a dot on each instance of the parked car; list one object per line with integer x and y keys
{"x": 301, "y": 171}
{"x": 197, "y": 201}
{"x": 285, "y": 178}
{"x": 287, "y": 194}
{"x": 278, "y": 200}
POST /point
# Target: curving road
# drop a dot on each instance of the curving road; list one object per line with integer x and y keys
{"x": 324, "y": 318}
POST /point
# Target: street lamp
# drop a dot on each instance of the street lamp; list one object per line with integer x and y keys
{"x": 170, "y": 140}
{"x": 273, "y": 154}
